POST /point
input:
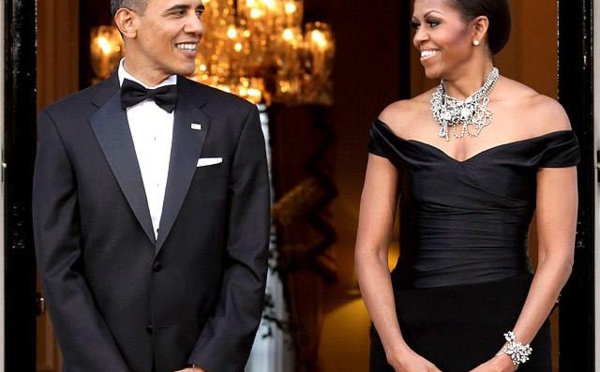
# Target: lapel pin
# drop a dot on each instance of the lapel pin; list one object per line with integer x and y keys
{"x": 196, "y": 126}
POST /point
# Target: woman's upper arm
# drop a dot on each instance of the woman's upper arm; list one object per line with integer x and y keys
{"x": 557, "y": 202}
{"x": 557, "y": 199}
{"x": 377, "y": 205}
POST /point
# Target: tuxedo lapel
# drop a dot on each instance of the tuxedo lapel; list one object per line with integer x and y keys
{"x": 190, "y": 128}
{"x": 111, "y": 128}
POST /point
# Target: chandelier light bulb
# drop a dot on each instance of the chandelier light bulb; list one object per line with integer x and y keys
{"x": 256, "y": 13}
{"x": 290, "y": 8}
{"x": 288, "y": 35}
{"x": 232, "y": 32}
{"x": 271, "y": 4}
{"x": 319, "y": 39}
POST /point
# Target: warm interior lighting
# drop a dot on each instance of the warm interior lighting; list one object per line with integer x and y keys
{"x": 319, "y": 39}
{"x": 261, "y": 42}
{"x": 288, "y": 35}
{"x": 256, "y": 13}
{"x": 106, "y": 47}
{"x": 290, "y": 8}
{"x": 253, "y": 48}
{"x": 232, "y": 32}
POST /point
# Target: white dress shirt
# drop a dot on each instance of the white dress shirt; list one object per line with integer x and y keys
{"x": 152, "y": 131}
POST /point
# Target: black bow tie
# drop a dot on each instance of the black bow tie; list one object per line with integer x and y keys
{"x": 133, "y": 93}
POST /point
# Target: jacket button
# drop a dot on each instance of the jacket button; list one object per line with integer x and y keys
{"x": 149, "y": 329}
{"x": 157, "y": 266}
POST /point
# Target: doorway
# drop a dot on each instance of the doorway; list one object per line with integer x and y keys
{"x": 19, "y": 103}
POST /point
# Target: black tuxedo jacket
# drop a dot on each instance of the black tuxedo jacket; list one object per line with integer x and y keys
{"x": 121, "y": 300}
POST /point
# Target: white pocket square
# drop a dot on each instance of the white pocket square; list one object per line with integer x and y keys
{"x": 203, "y": 162}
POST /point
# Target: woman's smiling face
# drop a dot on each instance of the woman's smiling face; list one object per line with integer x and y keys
{"x": 442, "y": 36}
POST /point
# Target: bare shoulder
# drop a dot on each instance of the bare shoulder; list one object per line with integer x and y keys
{"x": 551, "y": 115}
{"x": 537, "y": 113}
{"x": 402, "y": 115}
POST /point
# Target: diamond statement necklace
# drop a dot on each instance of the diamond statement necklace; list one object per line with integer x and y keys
{"x": 472, "y": 114}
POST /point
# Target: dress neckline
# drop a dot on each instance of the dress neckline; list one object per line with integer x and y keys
{"x": 478, "y": 154}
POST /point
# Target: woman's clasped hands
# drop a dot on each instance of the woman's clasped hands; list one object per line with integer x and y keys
{"x": 412, "y": 362}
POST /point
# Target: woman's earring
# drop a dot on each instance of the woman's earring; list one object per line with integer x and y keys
{"x": 476, "y": 42}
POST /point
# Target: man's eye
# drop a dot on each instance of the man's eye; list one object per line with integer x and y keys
{"x": 178, "y": 12}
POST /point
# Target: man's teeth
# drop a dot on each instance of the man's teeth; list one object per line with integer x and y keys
{"x": 427, "y": 53}
{"x": 187, "y": 46}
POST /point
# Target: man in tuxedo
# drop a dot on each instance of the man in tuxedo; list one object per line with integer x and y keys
{"x": 151, "y": 209}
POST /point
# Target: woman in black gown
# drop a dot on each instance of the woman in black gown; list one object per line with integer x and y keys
{"x": 467, "y": 164}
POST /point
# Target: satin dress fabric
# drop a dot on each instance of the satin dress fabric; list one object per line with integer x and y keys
{"x": 464, "y": 271}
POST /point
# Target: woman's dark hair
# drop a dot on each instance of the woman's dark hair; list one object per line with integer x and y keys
{"x": 497, "y": 12}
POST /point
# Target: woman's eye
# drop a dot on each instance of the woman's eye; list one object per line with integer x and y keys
{"x": 433, "y": 23}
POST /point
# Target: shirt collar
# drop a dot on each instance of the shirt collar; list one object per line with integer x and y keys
{"x": 123, "y": 74}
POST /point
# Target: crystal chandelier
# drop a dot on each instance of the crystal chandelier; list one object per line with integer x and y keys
{"x": 257, "y": 49}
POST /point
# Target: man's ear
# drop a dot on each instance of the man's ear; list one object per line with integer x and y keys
{"x": 481, "y": 25}
{"x": 125, "y": 19}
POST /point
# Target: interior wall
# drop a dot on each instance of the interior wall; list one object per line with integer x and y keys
{"x": 58, "y": 50}
{"x": 531, "y": 56}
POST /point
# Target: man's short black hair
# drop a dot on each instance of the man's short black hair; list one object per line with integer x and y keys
{"x": 136, "y": 5}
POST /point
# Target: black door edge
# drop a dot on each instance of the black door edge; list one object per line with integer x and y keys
{"x": 19, "y": 151}
{"x": 576, "y": 93}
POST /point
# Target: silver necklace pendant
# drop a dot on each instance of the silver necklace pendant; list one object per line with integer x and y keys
{"x": 471, "y": 114}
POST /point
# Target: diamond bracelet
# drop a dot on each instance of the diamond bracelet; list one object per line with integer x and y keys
{"x": 517, "y": 352}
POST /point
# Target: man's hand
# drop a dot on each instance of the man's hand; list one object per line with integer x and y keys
{"x": 190, "y": 369}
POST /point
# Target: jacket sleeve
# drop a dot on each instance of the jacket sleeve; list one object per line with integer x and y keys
{"x": 226, "y": 339}
{"x": 86, "y": 343}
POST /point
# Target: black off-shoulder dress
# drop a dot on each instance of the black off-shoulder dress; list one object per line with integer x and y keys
{"x": 464, "y": 270}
